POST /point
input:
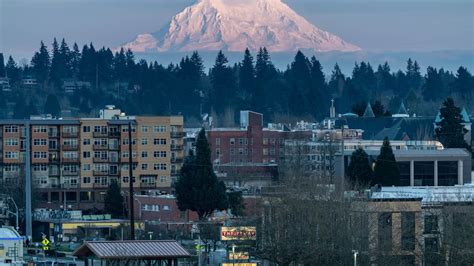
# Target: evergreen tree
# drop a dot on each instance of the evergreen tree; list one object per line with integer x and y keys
{"x": 52, "y": 106}
{"x": 450, "y": 131}
{"x": 12, "y": 70}
{"x": 359, "y": 171}
{"x": 433, "y": 86}
{"x": 2, "y": 66}
{"x": 299, "y": 75}
{"x": 41, "y": 64}
{"x": 464, "y": 83}
{"x": 236, "y": 204}
{"x": 223, "y": 84}
{"x": 75, "y": 59}
{"x": 31, "y": 108}
{"x": 379, "y": 109}
{"x": 413, "y": 76}
{"x": 19, "y": 110}
{"x": 198, "y": 188}
{"x": 114, "y": 201}
{"x": 359, "y": 108}
{"x": 247, "y": 76}
{"x": 55, "y": 73}
{"x": 386, "y": 170}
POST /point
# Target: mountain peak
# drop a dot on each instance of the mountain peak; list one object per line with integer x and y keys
{"x": 232, "y": 25}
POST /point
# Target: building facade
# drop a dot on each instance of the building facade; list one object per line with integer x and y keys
{"x": 73, "y": 161}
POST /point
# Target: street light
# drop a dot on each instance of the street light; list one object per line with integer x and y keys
{"x": 355, "y": 252}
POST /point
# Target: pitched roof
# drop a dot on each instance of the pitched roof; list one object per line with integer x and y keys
{"x": 132, "y": 249}
{"x": 368, "y": 111}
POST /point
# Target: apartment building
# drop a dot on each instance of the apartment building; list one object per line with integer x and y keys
{"x": 73, "y": 161}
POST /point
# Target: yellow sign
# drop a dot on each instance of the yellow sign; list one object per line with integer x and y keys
{"x": 239, "y": 264}
{"x": 239, "y": 233}
{"x": 239, "y": 256}
{"x": 45, "y": 242}
{"x": 45, "y": 248}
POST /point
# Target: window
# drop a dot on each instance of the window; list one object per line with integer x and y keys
{"x": 265, "y": 151}
{"x": 86, "y": 154}
{"x": 431, "y": 224}
{"x": 11, "y": 129}
{"x": 447, "y": 173}
{"x": 148, "y": 179}
{"x": 125, "y": 141}
{"x": 144, "y": 141}
{"x": 40, "y": 167}
{"x": 232, "y": 151}
{"x": 166, "y": 208}
{"x": 431, "y": 244}
{"x": 218, "y": 152}
{"x": 39, "y": 155}
{"x": 241, "y": 151}
{"x": 385, "y": 231}
{"x": 159, "y": 128}
{"x": 40, "y": 142}
{"x": 159, "y": 154}
{"x": 11, "y": 168}
{"x": 86, "y": 180}
{"x": 86, "y": 129}
{"x": 144, "y": 129}
{"x": 40, "y": 129}
{"x": 144, "y": 154}
{"x": 103, "y": 155}
{"x": 70, "y": 129}
{"x": 232, "y": 141}
{"x": 424, "y": 173}
{"x": 159, "y": 141}
{"x": 218, "y": 141}
{"x": 144, "y": 166}
{"x": 86, "y": 167}
{"x": 265, "y": 141}
{"x": 86, "y": 142}
{"x": 162, "y": 179}
{"x": 159, "y": 166}
{"x": 404, "y": 173}
{"x": 67, "y": 155}
{"x": 408, "y": 231}
{"x": 11, "y": 142}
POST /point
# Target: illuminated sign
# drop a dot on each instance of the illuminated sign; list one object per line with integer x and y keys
{"x": 239, "y": 233}
{"x": 239, "y": 256}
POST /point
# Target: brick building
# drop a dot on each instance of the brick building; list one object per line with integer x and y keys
{"x": 251, "y": 146}
{"x": 74, "y": 160}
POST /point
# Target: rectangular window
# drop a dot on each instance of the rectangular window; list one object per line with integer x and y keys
{"x": 86, "y": 167}
{"x": 144, "y": 141}
{"x": 159, "y": 128}
{"x": 159, "y": 166}
{"x": 86, "y": 154}
{"x": 232, "y": 141}
{"x": 159, "y": 154}
{"x": 40, "y": 129}
{"x": 159, "y": 141}
{"x": 408, "y": 231}
{"x": 144, "y": 166}
{"x": 218, "y": 141}
{"x": 431, "y": 224}
{"x": 40, "y": 167}
{"x": 144, "y": 129}
{"x": 39, "y": 155}
{"x": 40, "y": 142}
{"x": 265, "y": 141}
{"x": 447, "y": 173}
{"x": 385, "y": 231}
{"x": 162, "y": 179}
{"x": 86, "y": 142}
{"x": 144, "y": 154}
{"x": 86, "y": 180}
{"x": 11, "y": 129}
{"x": 424, "y": 173}
{"x": 11, "y": 142}
{"x": 86, "y": 129}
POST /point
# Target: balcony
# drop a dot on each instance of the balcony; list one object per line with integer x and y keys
{"x": 100, "y": 160}
{"x": 70, "y": 185}
{"x": 100, "y": 134}
{"x": 100, "y": 185}
{"x": 69, "y": 173}
{"x": 114, "y": 134}
{"x": 53, "y": 147}
{"x": 70, "y": 160}
{"x": 147, "y": 185}
{"x": 53, "y": 160}
{"x": 101, "y": 147}
{"x": 114, "y": 147}
{"x": 175, "y": 147}
{"x": 53, "y": 134}
{"x": 69, "y": 147}
{"x": 175, "y": 173}
{"x": 100, "y": 172}
{"x": 70, "y": 134}
{"x": 176, "y": 160}
{"x": 176, "y": 135}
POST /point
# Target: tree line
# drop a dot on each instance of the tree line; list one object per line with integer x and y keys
{"x": 301, "y": 90}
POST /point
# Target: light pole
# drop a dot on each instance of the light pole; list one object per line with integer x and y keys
{"x": 355, "y": 252}
{"x": 233, "y": 254}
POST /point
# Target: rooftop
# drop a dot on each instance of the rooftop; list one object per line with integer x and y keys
{"x": 429, "y": 195}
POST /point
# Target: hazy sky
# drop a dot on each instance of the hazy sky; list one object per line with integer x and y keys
{"x": 374, "y": 25}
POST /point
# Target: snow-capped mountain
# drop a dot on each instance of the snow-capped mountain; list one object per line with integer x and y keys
{"x": 233, "y": 25}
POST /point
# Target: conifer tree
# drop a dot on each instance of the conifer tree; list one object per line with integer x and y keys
{"x": 198, "y": 188}
{"x": 2, "y": 66}
{"x": 12, "y": 70}
{"x": 359, "y": 171}
{"x": 450, "y": 131}
{"x": 19, "y": 110}
{"x": 247, "y": 76}
{"x": 114, "y": 201}
{"x": 223, "y": 84}
{"x": 52, "y": 106}
{"x": 464, "y": 83}
{"x": 41, "y": 64}
{"x": 386, "y": 170}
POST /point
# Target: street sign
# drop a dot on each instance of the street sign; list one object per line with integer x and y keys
{"x": 45, "y": 243}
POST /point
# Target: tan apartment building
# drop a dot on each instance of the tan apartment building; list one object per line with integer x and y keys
{"x": 75, "y": 160}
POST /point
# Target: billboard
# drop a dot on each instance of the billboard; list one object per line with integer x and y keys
{"x": 238, "y": 233}
{"x": 239, "y": 256}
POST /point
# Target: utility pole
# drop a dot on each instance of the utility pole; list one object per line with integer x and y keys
{"x": 130, "y": 181}
{"x": 28, "y": 209}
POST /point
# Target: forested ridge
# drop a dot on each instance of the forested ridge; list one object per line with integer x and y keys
{"x": 301, "y": 91}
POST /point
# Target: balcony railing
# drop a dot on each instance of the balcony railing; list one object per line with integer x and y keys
{"x": 70, "y": 160}
{"x": 175, "y": 147}
{"x": 100, "y": 134}
{"x": 100, "y": 160}
{"x": 176, "y": 160}
{"x": 100, "y": 172}
{"x": 70, "y": 185}
{"x": 101, "y": 147}
{"x": 70, "y": 134}
{"x": 100, "y": 185}
{"x": 69, "y": 173}
{"x": 114, "y": 147}
{"x": 53, "y": 160}
{"x": 69, "y": 147}
{"x": 53, "y": 134}
{"x": 177, "y": 134}
{"x": 114, "y": 134}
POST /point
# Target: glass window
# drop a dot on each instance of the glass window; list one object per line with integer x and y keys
{"x": 408, "y": 231}
{"x": 385, "y": 231}
{"x": 431, "y": 224}
{"x": 447, "y": 173}
{"x": 424, "y": 173}
{"x": 86, "y": 129}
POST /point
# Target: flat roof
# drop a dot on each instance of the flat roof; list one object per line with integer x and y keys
{"x": 132, "y": 250}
